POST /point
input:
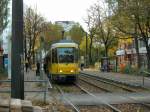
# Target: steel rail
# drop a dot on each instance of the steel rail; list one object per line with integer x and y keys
{"x": 98, "y": 78}
{"x": 109, "y": 105}
{"x": 106, "y": 90}
{"x": 70, "y": 103}
{"x": 116, "y": 81}
{"x": 111, "y": 83}
{"x": 139, "y": 102}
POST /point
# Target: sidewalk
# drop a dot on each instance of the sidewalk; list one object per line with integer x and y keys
{"x": 34, "y": 86}
{"x": 124, "y": 78}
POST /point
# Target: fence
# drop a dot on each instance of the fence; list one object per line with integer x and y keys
{"x": 31, "y": 81}
{"x": 147, "y": 73}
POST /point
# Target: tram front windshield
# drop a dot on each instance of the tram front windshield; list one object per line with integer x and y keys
{"x": 66, "y": 55}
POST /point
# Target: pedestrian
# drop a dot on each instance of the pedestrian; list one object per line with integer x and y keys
{"x": 37, "y": 68}
{"x": 82, "y": 66}
{"x": 105, "y": 66}
{"x": 82, "y": 63}
{"x": 27, "y": 65}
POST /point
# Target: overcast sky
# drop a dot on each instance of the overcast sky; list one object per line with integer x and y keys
{"x": 62, "y": 10}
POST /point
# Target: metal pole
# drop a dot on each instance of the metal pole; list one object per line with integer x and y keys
{"x": 63, "y": 34}
{"x": 17, "y": 82}
{"x": 41, "y": 64}
{"x": 41, "y": 61}
{"x": 86, "y": 51}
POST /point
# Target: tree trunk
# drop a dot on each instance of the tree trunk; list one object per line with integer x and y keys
{"x": 25, "y": 47}
{"x": 107, "y": 59}
{"x": 106, "y": 51}
{"x": 33, "y": 57}
{"x": 90, "y": 52}
{"x": 137, "y": 52}
{"x": 148, "y": 59}
{"x": 148, "y": 52}
{"x": 29, "y": 50}
{"x": 137, "y": 48}
{"x": 148, "y": 56}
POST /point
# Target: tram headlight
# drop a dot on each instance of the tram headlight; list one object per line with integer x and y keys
{"x": 60, "y": 71}
{"x": 72, "y": 71}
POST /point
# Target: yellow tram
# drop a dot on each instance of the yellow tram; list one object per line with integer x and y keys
{"x": 62, "y": 61}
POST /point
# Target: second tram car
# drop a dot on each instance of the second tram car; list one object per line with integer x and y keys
{"x": 62, "y": 61}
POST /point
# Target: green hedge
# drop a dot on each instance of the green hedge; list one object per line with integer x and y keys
{"x": 130, "y": 70}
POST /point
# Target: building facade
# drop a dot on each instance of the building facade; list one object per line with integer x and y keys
{"x": 126, "y": 53}
{"x": 67, "y": 25}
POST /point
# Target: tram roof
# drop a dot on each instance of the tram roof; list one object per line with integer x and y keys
{"x": 65, "y": 43}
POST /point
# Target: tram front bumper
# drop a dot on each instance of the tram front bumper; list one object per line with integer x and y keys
{"x": 64, "y": 76}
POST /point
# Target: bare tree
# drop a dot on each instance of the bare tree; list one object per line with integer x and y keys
{"x": 34, "y": 25}
{"x": 133, "y": 18}
{"x": 91, "y": 23}
{"x": 105, "y": 31}
{"x": 3, "y": 14}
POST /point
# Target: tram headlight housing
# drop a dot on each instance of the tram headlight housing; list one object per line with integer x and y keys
{"x": 72, "y": 71}
{"x": 60, "y": 71}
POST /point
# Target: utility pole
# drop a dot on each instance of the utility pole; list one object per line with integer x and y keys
{"x": 17, "y": 80}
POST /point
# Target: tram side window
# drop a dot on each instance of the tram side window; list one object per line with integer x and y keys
{"x": 76, "y": 54}
{"x": 54, "y": 56}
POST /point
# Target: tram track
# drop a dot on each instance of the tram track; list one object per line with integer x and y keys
{"x": 125, "y": 87}
{"x": 108, "y": 107}
{"x": 108, "y": 88}
{"x": 94, "y": 85}
{"x": 59, "y": 89}
{"x": 117, "y": 85}
{"x": 102, "y": 107}
{"x": 95, "y": 97}
{"x": 74, "y": 107}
